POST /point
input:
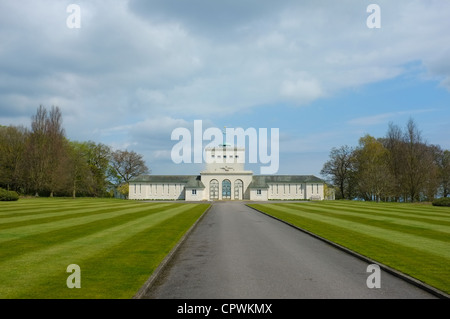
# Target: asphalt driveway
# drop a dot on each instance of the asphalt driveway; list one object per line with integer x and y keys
{"x": 236, "y": 252}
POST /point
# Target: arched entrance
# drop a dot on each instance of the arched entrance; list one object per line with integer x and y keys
{"x": 238, "y": 190}
{"x": 226, "y": 189}
{"x": 214, "y": 189}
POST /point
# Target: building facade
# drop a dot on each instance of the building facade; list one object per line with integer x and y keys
{"x": 225, "y": 178}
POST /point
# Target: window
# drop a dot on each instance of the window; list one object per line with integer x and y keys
{"x": 238, "y": 189}
{"x": 226, "y": 189}
{"x": 214, "y": 189}
{"x": 194, "y": 192}
{"x": 258, "y": 192}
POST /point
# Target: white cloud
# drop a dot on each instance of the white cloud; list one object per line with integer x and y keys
{"x": 301, "y": 91}
{"x": 384, "y": 117}
{"x": 137, "y": 68}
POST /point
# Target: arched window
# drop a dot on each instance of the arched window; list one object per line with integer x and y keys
{"x": 214, "y": 189}
{"x": 226, "y": 189}
{"x": 238, "y": 190}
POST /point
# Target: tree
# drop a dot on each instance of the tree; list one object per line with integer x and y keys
{"x": 340, "y": 170}
{"x": 36, "y": 152}
{"x": 395, "y": 145}
{"x": 57, "y": 151}
{"x": 126, "y": 165}
{"x": 445, "y": 173}
{"x": 45, "y": 151}
{"x": 442, "y": 159}
{"x": 412, "y": 163}
{"x": 79, "y": 172}
{"x": 43, "y": 160}
{"x": 124, "y": 190}
{"x": 371, "y": 163}
{"x": 419, "y": 167}
{"x": 98, "y": 158}
{"x": 12, "y": 144}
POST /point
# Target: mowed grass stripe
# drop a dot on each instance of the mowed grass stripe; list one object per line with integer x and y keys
{"x": 418, "y": 210}
{"x": 55, "y": 205}
{"x": 44, "y": 217}
{"x": 31, "y": 206}
{"x": 14, "y": 233}
{"x": 412, "y": 226}
{"x": 430, "y": 217}
{"x": 20, "y": 272}
{"x": 127, "y": 266}
{"x": 438, "y": 247}
{"x": 59, "y": 234}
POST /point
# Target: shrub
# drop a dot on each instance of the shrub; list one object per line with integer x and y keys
{"x": 8, "y": 195}
{"x": 445, "y": 201}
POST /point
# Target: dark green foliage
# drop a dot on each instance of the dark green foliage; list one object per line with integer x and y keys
{"x": 8, "y": 195}
{"x": 444, "y": 201}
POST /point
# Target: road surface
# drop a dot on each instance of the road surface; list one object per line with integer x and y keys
{"x": 238, "y": 253}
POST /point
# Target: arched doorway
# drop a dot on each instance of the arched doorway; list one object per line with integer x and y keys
{"x": 226, "y": 189}
{"x": 214, "y": 189}
{"x": 238, "y": 190}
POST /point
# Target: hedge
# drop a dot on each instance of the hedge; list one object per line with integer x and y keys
{"x": 8, "y": 195}
{"x": 445, "y": 201}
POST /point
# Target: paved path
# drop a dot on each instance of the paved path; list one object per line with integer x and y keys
{"x": 236, "y": 252}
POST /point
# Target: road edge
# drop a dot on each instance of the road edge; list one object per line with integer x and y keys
{"x": 386, "y": 268}
{"x": 154, "y": 276}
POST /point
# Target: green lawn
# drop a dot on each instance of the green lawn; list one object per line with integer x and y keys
{"x": 117, "y": 244}
{"x": 412, "y": 238}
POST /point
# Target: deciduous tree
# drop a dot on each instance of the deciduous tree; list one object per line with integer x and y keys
{"x": 340, "y": 170}
{"x": 371, "y": 164}
{"x": 126, "y": 165}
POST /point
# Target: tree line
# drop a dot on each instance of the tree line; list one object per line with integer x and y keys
{"x": 42, "y": 161}
{"x": 400, "y": 166}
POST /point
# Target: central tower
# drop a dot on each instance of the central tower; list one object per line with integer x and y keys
{"x": 224, "y": 176}
{"x": 224, "y": 158}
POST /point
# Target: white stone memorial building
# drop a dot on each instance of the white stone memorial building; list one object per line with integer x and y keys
{"x": 225, "y": 178}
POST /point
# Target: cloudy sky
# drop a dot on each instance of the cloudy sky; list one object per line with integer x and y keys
{"x": 135, "y": 70}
